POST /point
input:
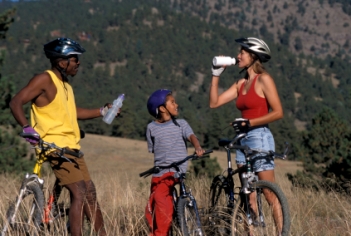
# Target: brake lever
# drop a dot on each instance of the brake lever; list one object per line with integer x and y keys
{"x": 286, "y": 151}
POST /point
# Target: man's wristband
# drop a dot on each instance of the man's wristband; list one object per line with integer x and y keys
{"x": 25, "y": 126}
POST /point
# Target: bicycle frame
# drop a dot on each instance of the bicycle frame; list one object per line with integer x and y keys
{"x": 53, "y": 195}
{"x": 230, "y": 173}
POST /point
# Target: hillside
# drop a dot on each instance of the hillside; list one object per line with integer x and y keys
{"x": 314, "y": 27}
{"x": 129, "y": 157}
{"x": 136, "y": 47}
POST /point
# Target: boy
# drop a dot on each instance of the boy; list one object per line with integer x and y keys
{"x": 166, "y": 138}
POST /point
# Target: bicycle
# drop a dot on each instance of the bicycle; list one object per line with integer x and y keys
{"x": 230, "y": 213}
{"x": 29, "y": 214}
{"x": 186, "y": 211}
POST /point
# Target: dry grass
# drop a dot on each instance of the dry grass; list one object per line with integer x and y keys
{"x": 115, "y": 163}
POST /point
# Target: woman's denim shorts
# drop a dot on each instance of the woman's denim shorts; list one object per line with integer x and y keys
{"x": 260, "y": 138}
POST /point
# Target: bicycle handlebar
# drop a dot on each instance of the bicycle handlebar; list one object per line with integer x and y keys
{"x": 231, "y": 145}
{"x": 45, "y": 146}
{"x": 257, "y": 150}
{"x": 157, "y": 169}
{"x": 41, "y": 142}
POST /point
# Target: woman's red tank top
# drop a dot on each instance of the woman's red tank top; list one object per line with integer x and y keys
{"x": 251, "y": 105}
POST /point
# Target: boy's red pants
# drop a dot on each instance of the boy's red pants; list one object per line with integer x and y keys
{"x": 159, "y": 209}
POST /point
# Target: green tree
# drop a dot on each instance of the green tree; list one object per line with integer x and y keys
{"x": 6, "y": 18}
{"x": 206, "y": 167}
{"x": 12, "y": 152}
{"x": 327, "y": 141}
{"x": 326, "y": 151}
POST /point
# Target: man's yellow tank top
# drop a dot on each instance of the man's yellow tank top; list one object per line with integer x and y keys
{"x": 57, "y": 121}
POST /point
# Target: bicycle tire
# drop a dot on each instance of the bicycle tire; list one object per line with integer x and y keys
{"x": 174, "y": 231}
{"x": 270, "y": 223}
{"x": 187, "y": 218}
{"x": 26, "y": 222}
{"x": 219, "y": 218}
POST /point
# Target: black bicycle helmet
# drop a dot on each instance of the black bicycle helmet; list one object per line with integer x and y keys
{"x": 256, "y": 46}
{"x": 62, "y": 48}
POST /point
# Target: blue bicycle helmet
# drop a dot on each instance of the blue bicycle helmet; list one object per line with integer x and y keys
{"x": 62, "y": 48}
{"x": 157, "y": 99}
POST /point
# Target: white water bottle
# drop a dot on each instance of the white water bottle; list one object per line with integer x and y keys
{"x": 112, "y": 112}
{"x": 223, "y": 61}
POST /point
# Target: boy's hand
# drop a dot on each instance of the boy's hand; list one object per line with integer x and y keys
{"x": 199, "y": 151}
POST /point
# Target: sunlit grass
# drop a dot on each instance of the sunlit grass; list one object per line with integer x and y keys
{"x": 123, "y": 205}
{"x": 123, "y": 195}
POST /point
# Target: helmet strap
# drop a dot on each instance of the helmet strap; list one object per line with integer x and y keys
{"x": 172, "y": 117}
{"x": 175, "y": 121}
{"x": 247, "y": 67}
{"x": 63, "y": 71}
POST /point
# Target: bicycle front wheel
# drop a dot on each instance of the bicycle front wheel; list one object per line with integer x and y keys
{"x": 187, "y": 218}
{"x": 265, "y": 211}
{"x": 220, "y": 209}
{"x": 25, "y": 216}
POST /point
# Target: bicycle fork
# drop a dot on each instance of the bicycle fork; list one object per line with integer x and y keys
{"x": 22, "y": 193}
{"x": 193, "y": 204}
{"x": 259, "y": 206}
{"x": 254, "y": 218}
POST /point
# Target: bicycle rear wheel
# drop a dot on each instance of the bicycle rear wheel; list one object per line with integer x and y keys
{"x": 26, "y": 218}
{"x": 220, "y": 211}
{"x": 187, "y": 218}
{"x": 268, "y": 215}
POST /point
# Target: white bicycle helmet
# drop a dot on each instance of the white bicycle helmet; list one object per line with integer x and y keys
{"x": 256, "y": 46}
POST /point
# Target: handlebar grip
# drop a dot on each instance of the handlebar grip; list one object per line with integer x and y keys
{"x": 208, "y": 151}
{"x": 153, "y": 170}
{"x": 196, "y": 157}
{"x": 146, "y": 173}
{"x": 29, "y": 135}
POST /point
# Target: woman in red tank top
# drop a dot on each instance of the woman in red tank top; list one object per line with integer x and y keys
{"x": 256, "y": 97}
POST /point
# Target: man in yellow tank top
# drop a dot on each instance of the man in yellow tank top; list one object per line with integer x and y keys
{"x": 54, "y": 117}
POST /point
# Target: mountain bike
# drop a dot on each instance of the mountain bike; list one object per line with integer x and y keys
{"x": 186, "y": 210}
{"x": 230, "y": 211}
{"x": 30, "y": 214}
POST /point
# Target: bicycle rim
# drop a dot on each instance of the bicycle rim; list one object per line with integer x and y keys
{"x": 187, "y": 218}
{"x": 273, "y": 217}
{"x": 27, "y": 220}
{"x": 219, "y": 218}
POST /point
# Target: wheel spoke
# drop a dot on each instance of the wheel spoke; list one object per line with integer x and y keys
{"x": 266, "y": 213}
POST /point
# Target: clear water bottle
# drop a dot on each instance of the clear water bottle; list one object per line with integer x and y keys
{"x": 112, "y": 112}
{"x": 223, "y": 61}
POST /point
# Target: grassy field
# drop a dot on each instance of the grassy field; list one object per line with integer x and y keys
{"x": 115, "y": 164}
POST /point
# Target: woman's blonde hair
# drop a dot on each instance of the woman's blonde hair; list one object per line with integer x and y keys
{"x": 257, "y": 66}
